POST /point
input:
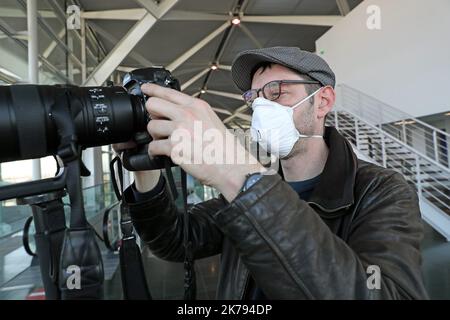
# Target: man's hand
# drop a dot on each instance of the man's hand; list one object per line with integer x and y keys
{"x": 143, "y": 180}
{"x": 188, "y": 130}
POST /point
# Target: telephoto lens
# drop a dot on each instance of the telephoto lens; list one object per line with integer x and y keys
{"x": 100, "y": 115}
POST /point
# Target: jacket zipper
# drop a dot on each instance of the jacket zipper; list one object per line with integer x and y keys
{"x": 245, "y": 285}
{"x": 331, "y": 210}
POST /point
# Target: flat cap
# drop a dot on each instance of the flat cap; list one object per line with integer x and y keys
{"x": 304, "y": 62}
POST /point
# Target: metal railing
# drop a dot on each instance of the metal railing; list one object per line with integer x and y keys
{"x": 430, "y": 179}
{"x": 424, "y": 138}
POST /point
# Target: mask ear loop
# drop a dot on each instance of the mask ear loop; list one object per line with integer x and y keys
{"x": 297, "y": 105}
{"x": 308, "y": 97}
{"x": 313, "y": 136}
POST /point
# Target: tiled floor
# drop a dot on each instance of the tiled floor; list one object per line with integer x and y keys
{"x": 165, "y": 279}
{"x": 436, "y": 264}
{"x": 13, "y": 258}
{"x": 29, "y": 281}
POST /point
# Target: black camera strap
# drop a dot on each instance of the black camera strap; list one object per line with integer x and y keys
{"x": 131, "y": 262}
{"x": 171, "y": 180}
{"x": 134, "y": 282}
{"x": 190, "y": 287}
{"x": 81, "y": 273}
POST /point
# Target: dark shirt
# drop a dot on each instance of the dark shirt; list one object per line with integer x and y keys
{"x": 303, "y": 188}
{"x": 138, "y": 196}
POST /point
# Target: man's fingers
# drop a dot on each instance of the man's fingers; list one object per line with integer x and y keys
{"x": 159, "y": 108}
{"x": 174, "y": 96}
{"x": 159, "y": 148}
{"x": 160, "y": 128}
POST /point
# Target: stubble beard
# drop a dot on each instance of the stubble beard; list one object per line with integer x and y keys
{"x": 301, "y": 146}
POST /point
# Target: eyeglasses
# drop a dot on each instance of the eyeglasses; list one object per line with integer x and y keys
{"x": 271, "y": 90}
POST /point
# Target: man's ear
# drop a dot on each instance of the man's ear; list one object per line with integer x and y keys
{"x": 327, "y": 97}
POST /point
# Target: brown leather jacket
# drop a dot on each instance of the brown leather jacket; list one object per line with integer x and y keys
{"x": 358, "y": 215}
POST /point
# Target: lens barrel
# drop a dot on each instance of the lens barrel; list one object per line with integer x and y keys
{"x": 101, "y": 115}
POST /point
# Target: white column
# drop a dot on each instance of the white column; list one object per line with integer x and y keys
{"x": 33, "y": 76}
{"x": 92, "y": 158}
{"x": 83, "y": 50}
{"x": 32, "y": 41}
{"x": 118, "y": 79}
{"x": 127, "y": 178}
{"x": 70, "y": 62}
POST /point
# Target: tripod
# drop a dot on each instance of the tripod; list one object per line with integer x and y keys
{"x": 50, "y": 224}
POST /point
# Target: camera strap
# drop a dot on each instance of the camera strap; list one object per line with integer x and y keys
{"x": 81, "y": 273}
{"x": 134, "y": 282}
{"x": 131, "y": 263}
{"x": 190, "y": 287}
{"x": 171, "y": 180}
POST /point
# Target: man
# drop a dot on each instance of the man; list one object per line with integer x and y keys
{"x": 329, "y": 226}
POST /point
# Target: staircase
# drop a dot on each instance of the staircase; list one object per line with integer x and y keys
{"x": 386, "y": 136}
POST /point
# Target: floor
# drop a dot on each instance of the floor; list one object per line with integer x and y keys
{"x": 436, "y": 264}
{"x": 165, "y": 279}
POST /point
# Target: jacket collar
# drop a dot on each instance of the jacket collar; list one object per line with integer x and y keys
{"x": 334, "y": 190}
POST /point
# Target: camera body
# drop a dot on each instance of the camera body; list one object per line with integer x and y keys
{"x": 133, "y": 80}
{"x": 139, "y": 159}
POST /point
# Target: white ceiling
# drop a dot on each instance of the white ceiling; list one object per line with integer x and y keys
{"x": 168, "y": 39}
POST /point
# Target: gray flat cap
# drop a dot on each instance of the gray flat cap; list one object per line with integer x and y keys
{"x": 302, "y": 61}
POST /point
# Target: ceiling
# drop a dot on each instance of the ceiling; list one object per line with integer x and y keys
{"x": 178, "y": 31}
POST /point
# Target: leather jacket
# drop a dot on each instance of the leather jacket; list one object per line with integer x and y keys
{"x": 359, "y": 215}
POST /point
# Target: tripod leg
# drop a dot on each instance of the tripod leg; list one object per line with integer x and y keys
{"x": 49, "y": 221}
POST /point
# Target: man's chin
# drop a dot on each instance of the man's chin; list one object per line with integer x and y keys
{"x": 298, "y": 149}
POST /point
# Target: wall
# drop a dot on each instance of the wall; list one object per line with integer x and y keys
{"x": 443, "y": 123}
{"x": 405, "y": 64}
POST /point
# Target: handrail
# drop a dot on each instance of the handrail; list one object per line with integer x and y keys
{"x": 430, "y": 178}
{"x": 396, "y": 109}
{"x": 110, "y": 246}
{"x": 411, "y": 149}
{"x": 426, "y": 139}
{"x": 96, "y": 185}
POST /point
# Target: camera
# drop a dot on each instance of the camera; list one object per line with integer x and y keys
{"x": 100, "y": 116}
{"x": 62, "y": 120}
{"x": 138, "y": 158}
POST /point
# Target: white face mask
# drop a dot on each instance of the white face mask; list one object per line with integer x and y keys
{"x": 273, "y": 126}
